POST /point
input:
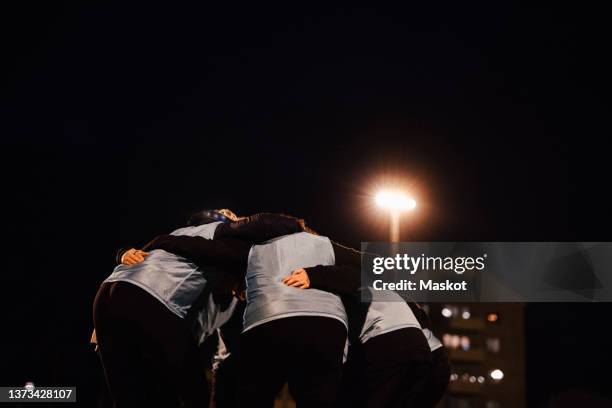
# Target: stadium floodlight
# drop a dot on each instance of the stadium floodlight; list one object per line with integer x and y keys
{"x": 395, "y": 202}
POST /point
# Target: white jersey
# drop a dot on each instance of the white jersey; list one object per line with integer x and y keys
{"x": 269, "y": 299}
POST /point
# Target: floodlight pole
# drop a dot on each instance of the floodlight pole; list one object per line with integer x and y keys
{"x": 394, "y": 225}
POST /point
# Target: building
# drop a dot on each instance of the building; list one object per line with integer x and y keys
{"x": 486, "y": 348}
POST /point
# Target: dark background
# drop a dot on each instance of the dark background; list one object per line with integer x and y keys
{"x": 119, "y": 120}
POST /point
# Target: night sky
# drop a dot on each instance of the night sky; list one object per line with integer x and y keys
{"x": 120, "y": 120}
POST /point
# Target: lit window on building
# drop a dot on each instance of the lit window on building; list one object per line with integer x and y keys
{"x": 446, "y": 340}
{"x": 449, "y": 311}
{"x": 467, "y": 378}
{"x": 496, "y": 375}
{"x": 454, "y": 341}
{"x": 493, "y": 345}
{"x": 465, "y": 343}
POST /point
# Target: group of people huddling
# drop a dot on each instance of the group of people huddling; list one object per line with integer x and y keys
{"x": 287, "y": 307}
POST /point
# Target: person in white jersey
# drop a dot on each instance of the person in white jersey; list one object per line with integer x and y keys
{"x": 394, "y": 359}
{"x": 144, "y": 317}
{"x": 290, "y": 336}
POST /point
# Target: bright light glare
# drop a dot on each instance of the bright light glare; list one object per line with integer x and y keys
{"x": 497, "y": 374}
{"x": 395, "y": 201}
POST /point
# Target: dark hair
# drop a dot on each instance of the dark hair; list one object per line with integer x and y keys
{"x": 206, "y": 217}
